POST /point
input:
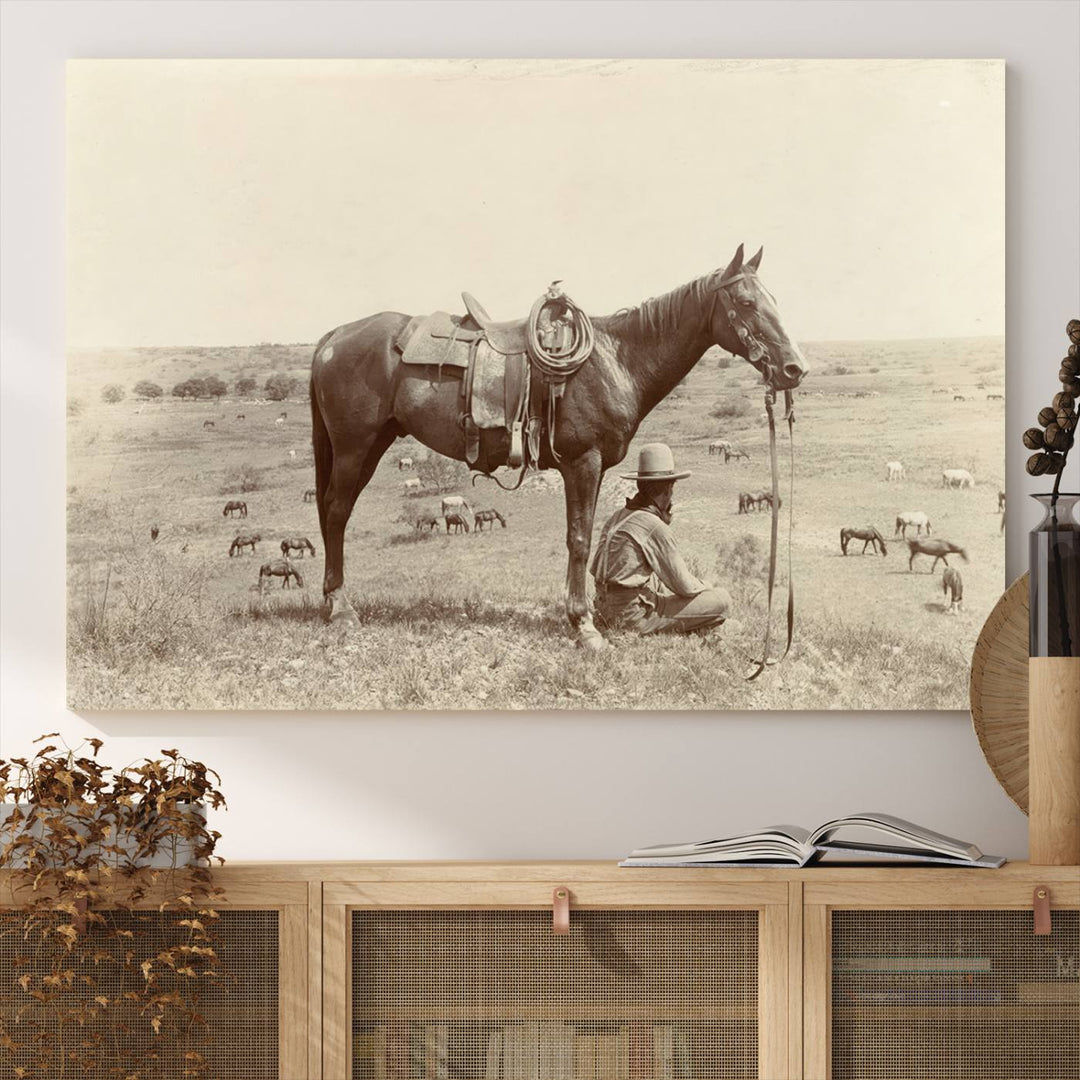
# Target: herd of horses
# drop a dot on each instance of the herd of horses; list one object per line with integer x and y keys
{"x": 922, "y": 543}
{"x": 291, "y": 546}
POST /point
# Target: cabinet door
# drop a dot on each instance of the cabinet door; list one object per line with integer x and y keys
{"x": 255, "y": 1011}
{"x": 491, "y": 993}
{"x": 942, "y": 993}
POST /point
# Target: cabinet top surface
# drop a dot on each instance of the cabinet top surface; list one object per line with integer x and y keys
{"x": 603, "y": 871}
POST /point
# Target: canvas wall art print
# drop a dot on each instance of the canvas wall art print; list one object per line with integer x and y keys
{"x": 718, "y": 426}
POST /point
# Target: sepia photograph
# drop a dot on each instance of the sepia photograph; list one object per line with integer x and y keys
{"x": 533, "y": 384}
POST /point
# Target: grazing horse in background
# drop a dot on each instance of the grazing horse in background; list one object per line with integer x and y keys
{"x": 363, "y": 398}
{"x": 240, "y": 416}
{"x": 894, "y": 470}
{"x": 154, "y": 532}
{"x": 916, "y": 519}
{"x": 952, "y": 581}
{"x": 719, "y": 446}
{"x": 957, "y": 478}
{"x": 242, "y": 541}
{"x": 207, "y": 424}
{"x": 404, "y": 463}
{"x": 735, "y": 455}
{"x": 234, "y": 506}
{"x": 868, "y": 534}
{"x": 938, "y": 548}
{"x": 1001, "y": 500}
{"x": 281, "y": 568}
{"x": 309, "y": 495}
{"x": 297, "y": 543}
{"x": 426, "y": 521}
{"x": 284, "y": 416}
{"x": 490, "y": 516}
{"x": 747, "y": 501}
{"x": 280, "y": 420}
{"x": 410, "y": 485}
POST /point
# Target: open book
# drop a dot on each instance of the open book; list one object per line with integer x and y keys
{"x": 859, "y": 838}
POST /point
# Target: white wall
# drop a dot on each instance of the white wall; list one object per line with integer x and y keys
{"x": 480, "y": 786}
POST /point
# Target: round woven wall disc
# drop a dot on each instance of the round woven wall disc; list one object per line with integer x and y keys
{"x": 999, "y": 691}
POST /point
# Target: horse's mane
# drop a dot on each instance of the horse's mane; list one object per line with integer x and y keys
{"x": 658, "y": 316}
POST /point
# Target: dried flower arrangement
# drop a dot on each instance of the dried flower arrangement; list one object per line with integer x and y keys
{"x": 107, "y": 921}
{"x": 1053, "y": 440}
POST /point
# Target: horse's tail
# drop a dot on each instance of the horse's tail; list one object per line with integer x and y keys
{"x": 927, "y": 526}
{"x": 322, "y": 447}
{"x": 843, "y": 540}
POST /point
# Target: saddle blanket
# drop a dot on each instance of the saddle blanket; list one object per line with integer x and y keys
{"x": 437, "y": 340}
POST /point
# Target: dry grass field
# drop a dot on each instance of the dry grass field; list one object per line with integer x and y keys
{"x": 475, "y": 622}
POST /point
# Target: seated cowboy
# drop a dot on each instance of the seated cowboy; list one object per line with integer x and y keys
{"x": 642, "y": 582}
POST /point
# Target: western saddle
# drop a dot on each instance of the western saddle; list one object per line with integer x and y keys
{"x": 512, "y": 373}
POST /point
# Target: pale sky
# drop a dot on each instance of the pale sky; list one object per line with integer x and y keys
{"x": 235, "y": 202}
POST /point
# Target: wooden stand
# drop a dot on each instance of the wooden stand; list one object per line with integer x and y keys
{"x": 1054, "y": 760}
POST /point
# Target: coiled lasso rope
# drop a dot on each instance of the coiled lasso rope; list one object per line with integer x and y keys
{"x": 559, "y": 366}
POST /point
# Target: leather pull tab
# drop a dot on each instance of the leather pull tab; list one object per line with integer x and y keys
{"x": 1040, "y": 902}
{"x": 560, "y": 911}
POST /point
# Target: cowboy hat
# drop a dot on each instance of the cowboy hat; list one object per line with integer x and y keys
{"x": 655, "y": 462}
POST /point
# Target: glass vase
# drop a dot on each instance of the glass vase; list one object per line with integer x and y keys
{"x": 1054, "y": 578}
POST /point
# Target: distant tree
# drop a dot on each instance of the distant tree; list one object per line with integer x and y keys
{"x": 215, "y": 387}
{"x": 190, "y": 388}
{"x": 112, "y": 393}
{"x": 245, "y": 386}
{"x": 441, "y": 474}
{"x": 278, "y": 387}
{"x": 147, "y": 390}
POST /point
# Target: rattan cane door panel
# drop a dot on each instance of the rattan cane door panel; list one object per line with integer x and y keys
{"x": 954, "y": 995}
{"x": 239, "y": 1038}
{"x": 495, "y": 995}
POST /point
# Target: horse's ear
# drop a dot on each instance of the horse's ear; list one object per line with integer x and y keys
{"x": 734, "y": 266}
{"x": 755, "y": 262}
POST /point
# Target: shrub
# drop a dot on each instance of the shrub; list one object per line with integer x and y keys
{"x": 742, "y": 566}
{"x": 724, "y": 362}
{"x": 245, "y": 386}
{"x": 442, "y": 474}
{"x": 242, "y": 480}
{"x": 74, "y": 406}
{"x": 278, "y": 387}
{"x": 732, "y": 407}
{"x": 112, "y": 394}
{"x": 147, "y": 390}
{"x": 839, "y": 369}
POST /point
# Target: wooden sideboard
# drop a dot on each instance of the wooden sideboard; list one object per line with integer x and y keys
{"x": 453, "y": 969}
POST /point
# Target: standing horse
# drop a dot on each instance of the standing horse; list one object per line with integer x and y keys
{"x": 951, "y": 581}
{"x": 297, "y": 543}
{"x": 489, "y": 516}
{"x": 234, "y": 506}
{"x": 938, "y": 548}
{"x": 916, "y": 519}
{"x": 281, "y": 568}
{"x": 868, "y": 534}
{"x": 363, "y": 398}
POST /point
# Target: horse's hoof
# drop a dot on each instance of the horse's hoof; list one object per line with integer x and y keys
{"x": 592, "y": 641}
{"x": 345, "y": 619}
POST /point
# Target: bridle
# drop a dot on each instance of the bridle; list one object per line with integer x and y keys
{"x": 757, "y": 351}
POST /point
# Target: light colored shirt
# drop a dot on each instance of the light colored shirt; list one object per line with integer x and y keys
{"x": 637, "y": 544}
